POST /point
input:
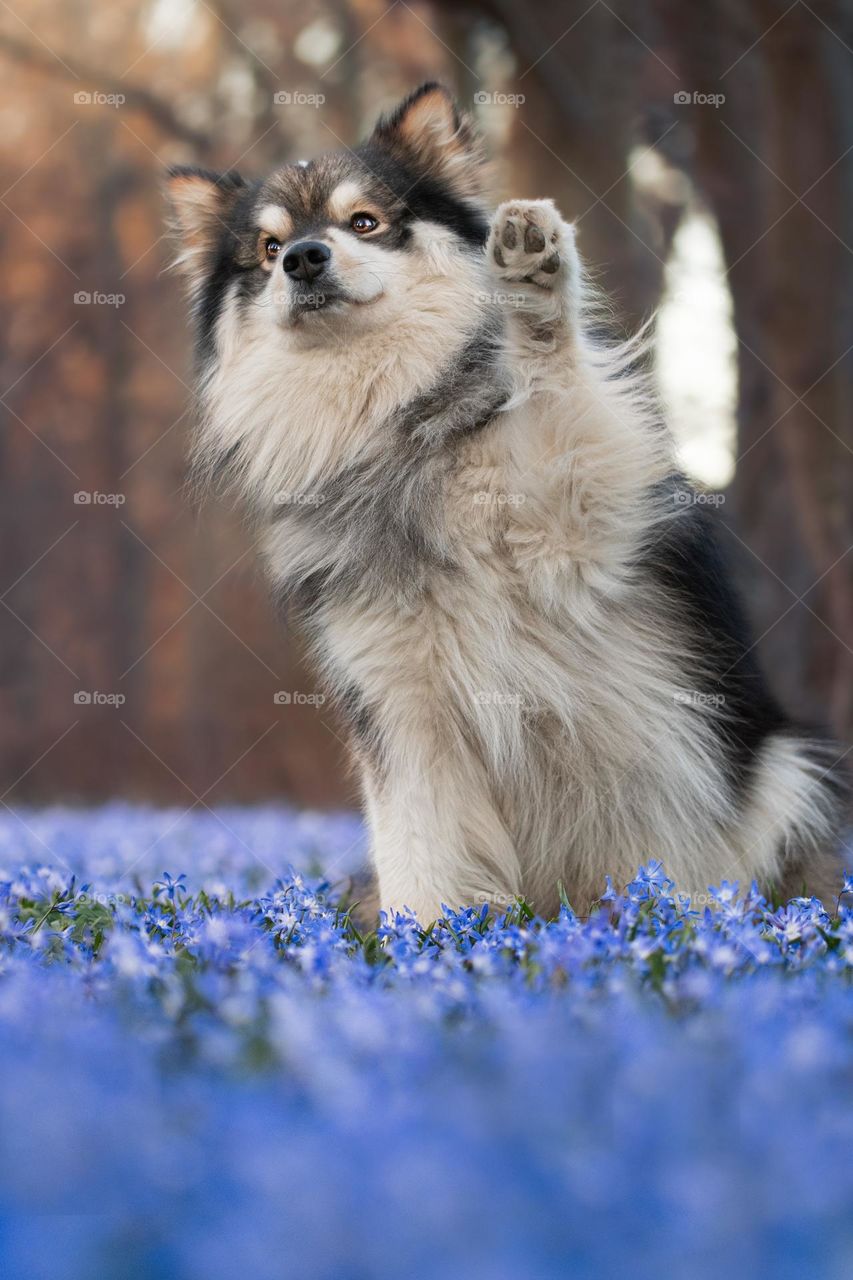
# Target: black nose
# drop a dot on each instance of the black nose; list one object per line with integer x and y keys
{"x": 306, "y": 260}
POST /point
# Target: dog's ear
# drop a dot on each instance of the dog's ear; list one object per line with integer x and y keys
{"x": 200, "y": 203}
{"x": 431, "y": 135}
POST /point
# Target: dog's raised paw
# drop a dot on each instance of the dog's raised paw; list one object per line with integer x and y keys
{"x": 528, "y": 241}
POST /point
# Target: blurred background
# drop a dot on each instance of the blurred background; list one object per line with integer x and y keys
{"x": 707, "y": 158}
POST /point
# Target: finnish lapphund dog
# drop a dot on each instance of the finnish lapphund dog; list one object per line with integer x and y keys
{"x": 470, "y": 500}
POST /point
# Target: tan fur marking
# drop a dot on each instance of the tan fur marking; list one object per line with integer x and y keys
{"x": 276, "y": 222}
{"x": 347, "y": 199}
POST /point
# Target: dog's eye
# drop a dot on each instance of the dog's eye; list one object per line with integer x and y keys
{"x": 363, "y": 222}
{"x": 272, "y": 248}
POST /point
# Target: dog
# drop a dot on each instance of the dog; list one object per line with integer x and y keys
{"x": 471, "y": 502}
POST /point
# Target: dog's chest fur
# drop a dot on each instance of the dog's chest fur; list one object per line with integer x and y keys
{"x": 486, "y": 589}
{"x": 468, "y": 549}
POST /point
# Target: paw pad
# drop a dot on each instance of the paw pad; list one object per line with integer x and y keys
{"x": 526, "y": 242}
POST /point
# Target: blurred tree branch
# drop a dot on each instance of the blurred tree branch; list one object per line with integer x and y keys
{"x": 80, "y": 73}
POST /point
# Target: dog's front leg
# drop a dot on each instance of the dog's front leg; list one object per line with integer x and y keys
{"x": 436, "y": 836}
{"x": 531, "y": 252}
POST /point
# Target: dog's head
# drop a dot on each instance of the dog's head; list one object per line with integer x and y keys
{"x": 342, "y": 244}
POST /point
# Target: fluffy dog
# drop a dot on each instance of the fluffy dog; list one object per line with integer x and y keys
{"x": 473, "y": 505}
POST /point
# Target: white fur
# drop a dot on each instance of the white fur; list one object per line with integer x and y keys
{"x": 530, "y": 705}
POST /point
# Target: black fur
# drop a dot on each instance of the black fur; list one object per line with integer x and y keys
{"x": 424, "y": 198}
{"x": 388, "y": 512}
{"x": 465, "y": 397}
{"x": 684, "y": 558}
{"x": 239, "y": 227}
{"x": 398, "y": 169}
{"x": 361, "y": 723}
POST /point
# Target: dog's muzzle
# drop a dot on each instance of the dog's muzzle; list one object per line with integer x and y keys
{"x": 306, "y": 260}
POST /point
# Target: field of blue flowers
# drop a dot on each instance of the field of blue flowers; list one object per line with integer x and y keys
{"x": 211, "y": 1071}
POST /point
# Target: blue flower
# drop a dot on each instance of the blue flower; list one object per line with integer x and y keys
{"x": 225, "y": 1056}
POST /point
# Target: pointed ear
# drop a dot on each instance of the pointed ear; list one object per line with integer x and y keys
{"x": 201, "y": 203}
{"x": 429, "y": 133}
